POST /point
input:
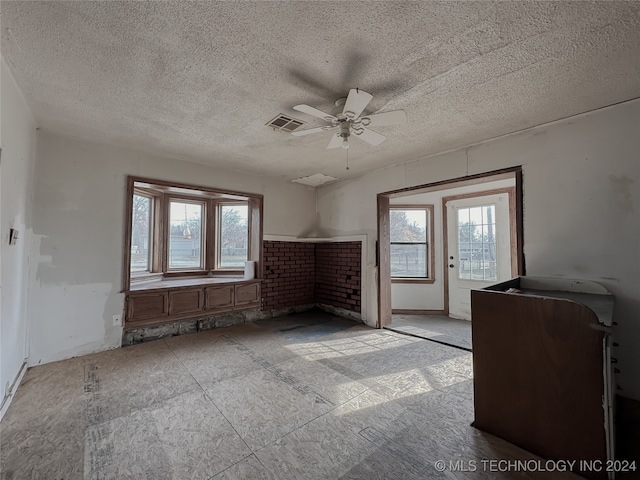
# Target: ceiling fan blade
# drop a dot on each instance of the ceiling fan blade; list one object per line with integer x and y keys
{"x": 356, "y": 102}
{"x": 301, "y": 133}
{"x": 386, "y": 118}
{"x": 371, "y": 137}
{"x": 314, "y": 112}
{"x": 335, "y": 142}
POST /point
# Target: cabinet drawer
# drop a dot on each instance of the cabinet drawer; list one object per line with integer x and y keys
{"x": 186, "y": 301}
{"x": 147, "y": 305}
{"x": 247, "y": 294}
{"x": 219, "y": 297}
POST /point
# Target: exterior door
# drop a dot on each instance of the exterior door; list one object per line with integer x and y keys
{"x": 478, "y": 247}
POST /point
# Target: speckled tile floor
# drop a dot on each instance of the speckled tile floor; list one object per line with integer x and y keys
{"x": 309, "y": 396}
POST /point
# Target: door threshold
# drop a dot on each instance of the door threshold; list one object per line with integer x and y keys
{"x": 427, "y": 338}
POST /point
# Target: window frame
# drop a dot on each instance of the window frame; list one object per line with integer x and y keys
{"x": 204, "y": 263}
{"x": 149, "y": 233}
{"x": 162, "y": 193}
{"x": 429, "y": 244}
{"x": 155, "y": 236}
{"x": 217, "y": 254}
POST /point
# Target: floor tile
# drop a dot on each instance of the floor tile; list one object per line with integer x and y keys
{"x": 185, "y": 437}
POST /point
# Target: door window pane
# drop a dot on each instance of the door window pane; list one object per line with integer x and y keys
{"x": 141, "y": 233}
{"x": 185, "y": 235}
{"x": 234, "y": 236}
{"x": 477, "y": 243}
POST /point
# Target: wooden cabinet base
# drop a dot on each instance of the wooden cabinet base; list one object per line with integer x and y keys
{"x": 149, "y": 330}
{"x": 144, "y": 307}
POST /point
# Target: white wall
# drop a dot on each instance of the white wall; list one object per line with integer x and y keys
{"x": 430, "y": 296}
{"x": 581, "y": 183}
{"x": 79, "y": 228}
{"x": 18, "y": 140}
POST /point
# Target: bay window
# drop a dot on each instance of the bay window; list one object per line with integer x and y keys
{"x": 176, "y": 230}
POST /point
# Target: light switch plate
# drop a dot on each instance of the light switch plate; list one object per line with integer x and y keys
{"x": 13, "y": 236}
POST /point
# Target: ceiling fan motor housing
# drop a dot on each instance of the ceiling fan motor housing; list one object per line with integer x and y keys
{"x": 345, "y": 130}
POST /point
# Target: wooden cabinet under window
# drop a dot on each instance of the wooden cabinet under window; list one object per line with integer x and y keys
{"x": 221, "y": 297}
{"x": 144, "y": 306}
{"x": 247, "y": 294}
{"x": 186, "y": 301}
{"x": 176, "y": 301}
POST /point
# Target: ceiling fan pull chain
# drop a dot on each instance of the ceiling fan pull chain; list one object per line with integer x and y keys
{"x": 347, "y": 159}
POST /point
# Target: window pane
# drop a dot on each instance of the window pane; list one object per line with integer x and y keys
{"x": 409, "y": 260}
{"x": 408, "y": 225}
{"x": 476, "y": 243}
{"x": 185, "y": 235}
{"x": 488, "y": 214}
{"x": 140, "y": 234}
{"x": 234, "y": 236}
{"x": 475, "y": 215}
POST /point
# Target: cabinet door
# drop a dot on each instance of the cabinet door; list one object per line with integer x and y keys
{"x": 248, "y": 294}
{"x": 186, "y": 301}
{"x": 219, "y": 297}
{"x": 143, "y": 306}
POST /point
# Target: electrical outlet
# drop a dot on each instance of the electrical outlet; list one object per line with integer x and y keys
{"x": 117, "y": 320}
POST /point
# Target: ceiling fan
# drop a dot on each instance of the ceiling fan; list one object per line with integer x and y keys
{"x": 350, "y": 122}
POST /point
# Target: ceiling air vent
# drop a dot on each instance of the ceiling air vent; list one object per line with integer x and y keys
{"x": 286, "y": 123}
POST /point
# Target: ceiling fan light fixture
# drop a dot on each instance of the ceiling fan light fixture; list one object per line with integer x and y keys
{"x": 345, "y": 143}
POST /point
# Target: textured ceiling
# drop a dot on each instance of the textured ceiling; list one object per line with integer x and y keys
{"x": 200, "y": 80}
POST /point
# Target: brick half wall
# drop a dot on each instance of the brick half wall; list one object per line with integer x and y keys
{"x": 289, "y": 274}
{"x": 303, "y": 273}
{"x": 338, "y": 274}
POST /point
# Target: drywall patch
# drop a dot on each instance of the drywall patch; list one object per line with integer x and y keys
{"x": 621, "y": 186}
{"x": 83, "y": 329}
